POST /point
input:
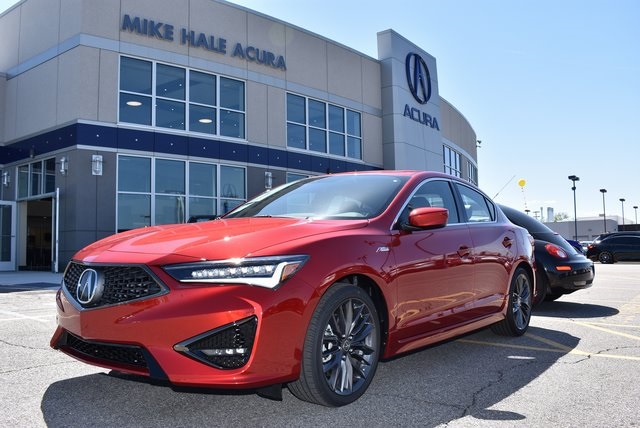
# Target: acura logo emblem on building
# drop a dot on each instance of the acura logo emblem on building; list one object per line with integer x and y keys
{"x": 90, "y": 287}
{"x": 418, "y": 78}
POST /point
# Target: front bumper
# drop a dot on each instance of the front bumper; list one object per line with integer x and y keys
{"x": 215, "y": 336}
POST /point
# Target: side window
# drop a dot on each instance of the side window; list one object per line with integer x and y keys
{"x": 477, "y": 208}
{"x": 434, "y": 193}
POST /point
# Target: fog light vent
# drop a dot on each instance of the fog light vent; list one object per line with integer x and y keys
{"x": 227, "y": 347}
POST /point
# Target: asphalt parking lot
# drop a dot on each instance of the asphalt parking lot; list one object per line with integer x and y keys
{"x": 578, "y": 365}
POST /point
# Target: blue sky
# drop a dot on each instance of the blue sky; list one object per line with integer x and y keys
{"x": 552, "y": 88}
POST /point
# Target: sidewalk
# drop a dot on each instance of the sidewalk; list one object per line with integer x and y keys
{"x": 30, "y": 280}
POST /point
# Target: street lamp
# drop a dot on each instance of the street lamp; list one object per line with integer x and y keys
{"x": 604, "y": 211}
{"x": 635, "y": 207}
{"x": 622, "y": 202}
{"x": 574, "y": 178}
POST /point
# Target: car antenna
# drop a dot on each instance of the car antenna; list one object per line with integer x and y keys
{"x": 505, "y": 185}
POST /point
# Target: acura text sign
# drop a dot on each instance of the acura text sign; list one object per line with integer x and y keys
{"x": 164, "y": 31}
{"x": 419, "y": 82}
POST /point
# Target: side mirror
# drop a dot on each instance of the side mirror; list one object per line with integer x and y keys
{"x": 428, "y": 217}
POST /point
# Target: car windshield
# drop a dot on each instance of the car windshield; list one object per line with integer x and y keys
{"x": 357, "y": 196}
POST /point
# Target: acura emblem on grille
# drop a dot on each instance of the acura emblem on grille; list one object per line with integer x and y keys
{"x": 90, "y": 287}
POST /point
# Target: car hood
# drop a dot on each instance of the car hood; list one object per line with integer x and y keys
{"x": 213, "y": 240}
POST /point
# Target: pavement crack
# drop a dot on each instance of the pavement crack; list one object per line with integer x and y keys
{"x": 15, "y": 345}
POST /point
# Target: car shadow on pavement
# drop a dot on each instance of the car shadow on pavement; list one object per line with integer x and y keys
{"x": 573, "y": 310}
{"x": 467, "y": 377}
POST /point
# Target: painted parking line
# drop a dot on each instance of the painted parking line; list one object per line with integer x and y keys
{"x": 607, "y": 330}
{"x": 555, "y": 347}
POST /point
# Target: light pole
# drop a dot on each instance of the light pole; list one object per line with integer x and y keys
{"x": 604, "y": 211}
{"x": 574, "y": 178}
{"x": 635, "y": 207}
{"x": 622, "y": 202}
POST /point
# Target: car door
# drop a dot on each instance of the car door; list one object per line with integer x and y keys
{"x": 434, "y": 270}
{"x": 494, "y": 248}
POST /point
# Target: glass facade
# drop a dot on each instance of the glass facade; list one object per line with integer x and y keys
{"x": 452, "y": 162}
{"x": 166, "y": 96}
{"x": 36, "y": 178}
{"x": 154, "y": 191}
{"x": 321, "y": 127}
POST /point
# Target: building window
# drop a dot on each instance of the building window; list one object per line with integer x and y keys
{"x": 155, "y": 94}
{"x": 291, "y": 177}
{"x": 452, "y": 162}
{"x": 165, "y": 191}
{"x": 37, "y": 178}
{"x": 472, "y": 172}
{"x": 322, "y": 127}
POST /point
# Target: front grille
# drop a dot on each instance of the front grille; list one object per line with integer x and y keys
{"x": 227, "y": 347}
{"x": 106, "y": 353}
{"x": 121, "y": 283}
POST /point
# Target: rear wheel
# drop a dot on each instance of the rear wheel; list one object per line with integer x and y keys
{"x": 519, "y": 307}
{"x": 605, "y": 257}
{"x": 341, "y": 349}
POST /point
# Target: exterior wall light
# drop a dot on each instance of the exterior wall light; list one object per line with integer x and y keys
{"x": 6, "y": 179}
{"x": 64, "y": 165}
{"x": 96, "y": 165}
{"x": 268, "y": 180}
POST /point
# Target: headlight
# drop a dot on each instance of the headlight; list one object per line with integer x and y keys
{"x": 267, "y": 272}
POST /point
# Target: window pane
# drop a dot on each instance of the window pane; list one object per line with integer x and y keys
{"x": 202, "y": 206}
{"x": 23, "y": 181}
{"x": 36, "y": 178}
{"x": 336, "y": 144}
{"x": 317, "y": 116}
{"x": 133, "y": 211}
{"x": 170, "y": 176}
{"x": 336, "y": 118}
{"x": 354, "y": 147}
{"x": 50, "y": 175}
{"x": 170, "y": 82}
{"x": 353, "y": 123}
{"x": 231, "y": 124}
{"x": 135, "y": 75}
{"x": 169, "y": 114}
{"x": 296, "y": 136}
{"x": 169, "y": 209}
{"x": 134, "y": 174}
{"x": 295, "y": 109}
{"x": 202, "y": 88}
{"x": 227, "y": 205}
{"x": 202, "y": 119}
{"x": 291, "y": 177}
{"x": 317, "y": 140}
{"x": 231, "y": 94}
{"x": 202, "y": 179}
{"x": 232, "y": 182}
{"x": 135, "y": 109}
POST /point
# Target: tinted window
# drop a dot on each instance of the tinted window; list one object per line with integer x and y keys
{"x": 477, "y": 208}
{"x": 434, "y": 193}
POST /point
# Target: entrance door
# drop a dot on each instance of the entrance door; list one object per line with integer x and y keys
{"x": 39, "y": 235}
{"x": 7, "y": 236}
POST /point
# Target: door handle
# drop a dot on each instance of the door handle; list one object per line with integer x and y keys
{"x": 507, "y": 242}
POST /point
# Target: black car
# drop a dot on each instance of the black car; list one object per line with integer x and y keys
{"x": 560, "y": 268}
{"x": 615, "y": 247}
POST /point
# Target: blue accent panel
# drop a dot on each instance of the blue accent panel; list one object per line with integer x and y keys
{"x": 299, "y": 161}
{"x": 200, "y": 147}
{"x": 277, "y": 158}
{"x": 337, "y": 166}
{"x": 319, "y": 164}
{"x": 99, "y": 136}
{"x": 135, "y": 140}
{"x": 258, "y": 155}
{"x": 172, "y": 144}
{"x": 233, "y": 152}
{"x": 39, "y": 144}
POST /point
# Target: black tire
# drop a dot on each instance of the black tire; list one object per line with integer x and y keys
{"x": 341, "y": 349}
{"x": 542, "y": 288}
{"x": 605, "y": 257}
{"x": 519, "y": 306}
{"x": 553, "y": 296}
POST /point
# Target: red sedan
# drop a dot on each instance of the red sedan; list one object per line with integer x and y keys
{"x": 308, "y": 285}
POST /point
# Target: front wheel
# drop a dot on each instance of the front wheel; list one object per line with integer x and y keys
{"x": 519, "y": 307}
{"x": 341, "y": 349}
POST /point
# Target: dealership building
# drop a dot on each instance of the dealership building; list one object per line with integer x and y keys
{"x": 119, "y": 114}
